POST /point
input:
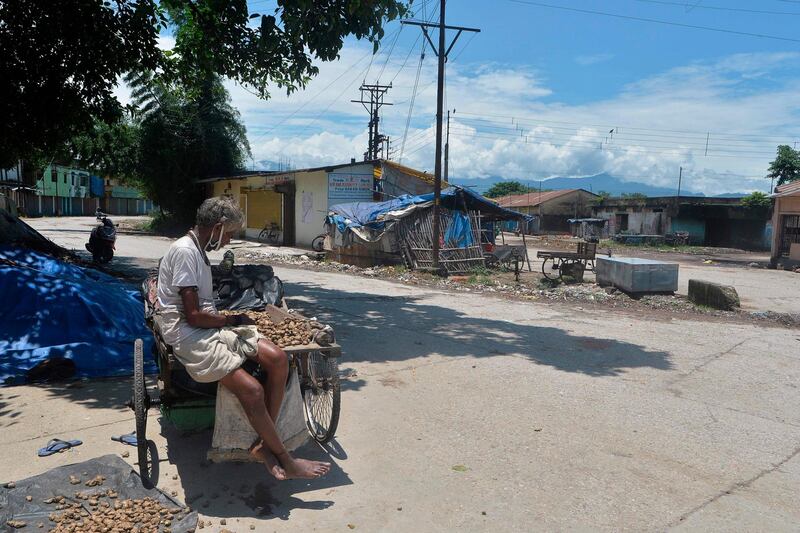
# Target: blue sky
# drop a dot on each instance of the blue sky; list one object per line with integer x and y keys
{"x": 537, "y": 91}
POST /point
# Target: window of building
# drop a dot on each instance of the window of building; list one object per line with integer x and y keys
{"x": 53, "y": 175}
{"x": 621, "y": 220}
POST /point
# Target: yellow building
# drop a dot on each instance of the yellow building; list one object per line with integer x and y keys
{"x": 786, "y": 225}
{"x": 295, "y": 203}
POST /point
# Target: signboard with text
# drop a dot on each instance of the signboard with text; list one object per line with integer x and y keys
{"x": 349, "y": 188}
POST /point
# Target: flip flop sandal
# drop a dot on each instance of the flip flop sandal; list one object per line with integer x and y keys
{"x": 129, "y": 439}
{"x": 58, "y": 445}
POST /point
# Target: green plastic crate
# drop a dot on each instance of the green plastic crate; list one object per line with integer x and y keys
{"x": 191, "y": 415}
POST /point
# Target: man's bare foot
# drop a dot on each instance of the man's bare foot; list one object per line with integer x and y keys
{"x": 302, "y": 468}
{"x": 269, "y": 460}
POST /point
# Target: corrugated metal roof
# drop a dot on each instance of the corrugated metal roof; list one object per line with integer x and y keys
{"x": 532, "y": 198}
{"x": 788, "y": 189}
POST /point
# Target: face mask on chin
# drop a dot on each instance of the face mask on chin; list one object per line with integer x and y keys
{"x": 213, "y": 245}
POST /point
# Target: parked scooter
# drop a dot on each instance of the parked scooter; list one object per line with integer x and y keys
{"x": 102, "y": 240}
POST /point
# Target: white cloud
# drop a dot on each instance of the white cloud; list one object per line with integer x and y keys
{"x": 746, "y": 102}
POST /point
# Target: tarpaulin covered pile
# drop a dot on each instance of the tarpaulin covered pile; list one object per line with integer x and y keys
{"x": 52, "y": 310}
{"x": 370, "y": 220}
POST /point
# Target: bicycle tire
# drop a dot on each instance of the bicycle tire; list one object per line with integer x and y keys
{"x": 321, "y": 396}
{"x": 140, "y": 405}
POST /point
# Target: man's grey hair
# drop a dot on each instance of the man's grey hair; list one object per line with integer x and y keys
{"x": 219, "y": 209}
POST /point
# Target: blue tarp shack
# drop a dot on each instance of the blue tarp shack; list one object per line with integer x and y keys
{"x": 59, "y": 320}
{"x": 401, "y": 227}
{"x": 374, "y": 216}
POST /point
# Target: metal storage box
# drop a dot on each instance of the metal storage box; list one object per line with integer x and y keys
{"x": 632, "y": 274}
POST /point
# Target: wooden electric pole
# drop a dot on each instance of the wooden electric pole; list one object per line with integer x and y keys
{"x": 441, "y": 54}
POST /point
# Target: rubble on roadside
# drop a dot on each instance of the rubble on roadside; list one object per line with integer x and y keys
{"x": 588, "y": 293}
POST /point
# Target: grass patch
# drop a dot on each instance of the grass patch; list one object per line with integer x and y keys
{"x": 479, "y": 276}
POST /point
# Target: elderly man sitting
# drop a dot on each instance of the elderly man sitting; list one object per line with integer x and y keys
{"x": 213, "y": 347}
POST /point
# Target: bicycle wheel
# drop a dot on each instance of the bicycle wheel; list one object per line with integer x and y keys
{"x": 263, "y": 235}
{"x": 321, "y": 395}
{"x": 318, "y": 244}
{"x": 140, "y": 405}
{"x": 548, "y": 271}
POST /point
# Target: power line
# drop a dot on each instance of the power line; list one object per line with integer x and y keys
{"x": 389, "y": 55}
{"x": 599, "y": 139}
{"x": 410, "y": 51}
{"x": 655, "y": 21}
{"x": 600, "y": 146}
{"x": 323, "y": 91}
{"x": 720, "y": 8}
{"x": 700, "y": 133}
{"x": 619, "y": 133}
{"x": 413, "y": 97}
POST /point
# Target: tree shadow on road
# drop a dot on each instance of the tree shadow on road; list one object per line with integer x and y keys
{"x": 377, "y": 328}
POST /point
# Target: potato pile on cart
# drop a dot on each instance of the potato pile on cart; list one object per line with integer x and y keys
{"x": 312, "y": 400}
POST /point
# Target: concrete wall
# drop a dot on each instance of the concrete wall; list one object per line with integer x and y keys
{"x": 643, "y": 221}
{"x": 311, "y": 205}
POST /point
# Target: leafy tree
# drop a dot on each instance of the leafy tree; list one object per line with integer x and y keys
{"x": 506, "y": 188}
{"x": 61, "y": 60}
{"x": 109, "y": 149}
{"x": 59, "y": 65}
{"x": 786, "y": 166}
{"x": 604, "y": 194}
{"x": 184, "y": 136}
{"x": 756, "y": 200}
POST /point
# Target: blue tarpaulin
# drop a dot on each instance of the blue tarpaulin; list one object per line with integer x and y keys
{"x": 361, "y": 214}
{"x": 459, "y": 231}
{"x": 52, "y": 309}
{"x": 96, "y": 186}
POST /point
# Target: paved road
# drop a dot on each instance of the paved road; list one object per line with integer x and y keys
{"x": 480, "y": 414}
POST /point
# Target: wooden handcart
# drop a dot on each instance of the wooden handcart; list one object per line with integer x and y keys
{"x": 557, "y": 265}
{"x": 311, "y": 404}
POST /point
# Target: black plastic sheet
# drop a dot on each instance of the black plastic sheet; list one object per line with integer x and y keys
{"x": 246, "y": 287}
{"x": 56, "y": 482}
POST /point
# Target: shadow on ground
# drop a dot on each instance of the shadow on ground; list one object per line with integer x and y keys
{"x": 376, "y": 328}
{"x": 224, "y": 490}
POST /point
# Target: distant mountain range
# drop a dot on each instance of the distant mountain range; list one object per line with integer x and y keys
{"x": 599, "y": 182}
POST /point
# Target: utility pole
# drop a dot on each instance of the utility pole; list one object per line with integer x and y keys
{"x": 680, "y": 176}
{"x": 441, "y": 54}
{"x": 376, "y": 93}
{"x": 447, "y": 146}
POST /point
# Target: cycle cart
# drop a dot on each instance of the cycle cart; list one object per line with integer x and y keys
{"x": 558, "y": 264}
{"x": 191, "y": 406}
